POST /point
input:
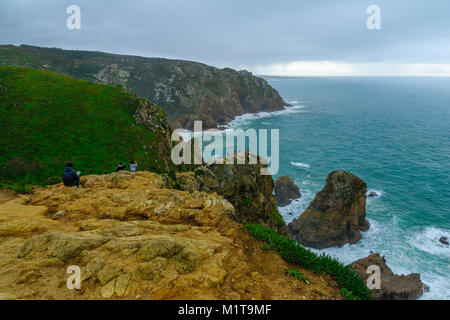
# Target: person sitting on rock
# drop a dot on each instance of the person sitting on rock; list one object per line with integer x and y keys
{"x": 120, "y": 167}
{"x": 70, "y": 177}
{"x": 133, "y": 166}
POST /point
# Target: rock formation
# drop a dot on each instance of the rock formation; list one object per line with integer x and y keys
{"x": 243, "y": 185}
{"x": 373, "y": 194}
{"x": 393, "y": 287}
{"x": 135, "y": 238}
{"x": 286, "y": 191}
{"x": 337, "y": 214}
{"x": 444, "y": 240}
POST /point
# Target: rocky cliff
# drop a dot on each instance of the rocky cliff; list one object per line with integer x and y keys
{"x": 187, "y": 90}
{"x": 243, "y": 185}
{"x": 336, "y": 215}
{"x": 133, "y": 237}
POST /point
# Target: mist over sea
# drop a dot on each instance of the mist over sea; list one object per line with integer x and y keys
{"x": 392, "y": 132}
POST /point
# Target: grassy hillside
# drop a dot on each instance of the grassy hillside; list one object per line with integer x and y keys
{"x": 48, "y": 119}
{"x": 186, "y": 90}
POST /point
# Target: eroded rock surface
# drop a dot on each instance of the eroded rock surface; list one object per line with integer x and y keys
{"x": 393, "y": 286}
{"x": 337, "y": 214}
{"x": 133, "y": 237}
{"x": 243, "y": 186}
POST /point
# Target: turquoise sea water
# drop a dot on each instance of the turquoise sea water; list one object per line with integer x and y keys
{"x": 392, "y": 132}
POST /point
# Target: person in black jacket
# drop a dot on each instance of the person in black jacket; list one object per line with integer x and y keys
{"x": 70, "y": 177}
{"x": 120, "y": 167}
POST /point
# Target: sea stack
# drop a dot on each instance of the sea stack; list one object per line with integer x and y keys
{"x": 286, "y": 191}
{"x": 336, "y": 216}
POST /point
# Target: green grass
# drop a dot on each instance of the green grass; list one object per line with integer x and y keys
{"x": 276, "y": 216}
{"x": 17, "y": 188}
{"x": 47, "y": 120}
{"x": 295, "y": 253}
{"x": 297, "y": 274}
{"x": 348, "y": 295}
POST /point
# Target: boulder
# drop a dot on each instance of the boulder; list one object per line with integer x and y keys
{"x": 373, "y": 194}
{"x": 337, "y": 214}
{"x": 392, "y": 286}
{"x": 286, "y": 191}
{"x": 444, "y": 240}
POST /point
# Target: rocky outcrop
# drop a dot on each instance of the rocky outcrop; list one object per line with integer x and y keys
{"x": 286, "y": 191}
{"x": 188, "y": 91}
{"x": 243, "y": 185}
{"x": 133, "y": 237}
{"x": 373, "y": 194}
{"x": 337, "y": 214}
{"x": 392, "y": 286}
{"x": 444, "y": 240}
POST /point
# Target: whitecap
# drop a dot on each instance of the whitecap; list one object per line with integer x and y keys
{"x": 428, "y": 240}
{"x": 300, "y": 164}
{"x": 379, "y": 193}
{"x": 297, "y": 206}
{"x": 245, "y": 119}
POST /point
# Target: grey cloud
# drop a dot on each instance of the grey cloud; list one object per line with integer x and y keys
{"x": 234, "y": 33}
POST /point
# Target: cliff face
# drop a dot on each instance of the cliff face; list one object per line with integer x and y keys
{"x": 336, "y": 215}
{"x": 243, "y": 186}
{"x": 133, "y": 237}
{"x": 187, "y": 90}
{"x": 48, "y": 119}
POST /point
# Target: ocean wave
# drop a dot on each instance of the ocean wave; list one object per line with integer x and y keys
{"x": 439, "y": 287}
{"x": 428, "y": 240}
{"x": 246, "y": 118}
{"x": 300, "y": 164}
{"x": 297, "y": 206}
{"x": 380, "y": 193}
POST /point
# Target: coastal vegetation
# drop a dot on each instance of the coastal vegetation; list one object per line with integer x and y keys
{"x": 48, "y": 119}
{"x": 295, "y": 253}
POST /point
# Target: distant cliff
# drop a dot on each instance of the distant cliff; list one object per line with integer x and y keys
{"x": 187, "y": 90}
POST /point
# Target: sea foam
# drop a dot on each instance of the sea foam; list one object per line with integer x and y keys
{"x": 245, "y": 119}
{"x": 300, "y": 164}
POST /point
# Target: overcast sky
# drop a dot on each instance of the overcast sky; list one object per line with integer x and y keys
{"x": 283, "y": 37}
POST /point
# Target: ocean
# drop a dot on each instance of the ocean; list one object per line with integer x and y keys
{"x": 392, "y": 132}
